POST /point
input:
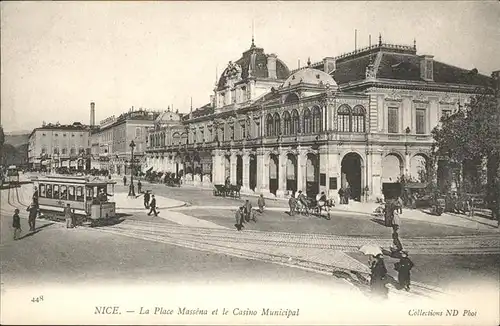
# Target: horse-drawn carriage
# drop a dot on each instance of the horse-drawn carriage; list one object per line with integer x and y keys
{"x": 232, "y": 191}
{"x": 307, "y": 205}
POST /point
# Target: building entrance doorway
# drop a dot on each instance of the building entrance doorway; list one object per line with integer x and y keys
{"x": 273, "y": 173}
{"x": 351, "y": 174}
{"x": 253, "y": 172}
{"x": 239, "y": 170}
{"x": 291, "y": 173}
{"x": 312, "y": 175}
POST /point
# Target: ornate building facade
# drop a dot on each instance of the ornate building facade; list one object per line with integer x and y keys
{"x": 362, "y": 118}
{"x": 111, "y": 139}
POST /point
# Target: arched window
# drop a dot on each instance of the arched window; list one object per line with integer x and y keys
{"x": 307, "y": 121}
{"x": 343, "y": 118}
{"x": 277, "y": 124}
{"x": 317, "y": 120}
{"x": 295, "y": 128}
{"x": 162, "y": 139}
{"x": 269, "y": 125}
{"x": 358, "y": 119}
{"x": 64, "y": 151}
{"x": 286, "y": 123}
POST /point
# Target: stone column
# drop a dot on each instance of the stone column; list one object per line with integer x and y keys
{"x": 217, "y": 167}
{"x": 281, "y": 174}
{"x": 263, "y": 171}
{"x": 246, "y": 171}
{"x": 233, "y": 164}
{"x": 301, "y": 170}
{"x": 376, "y": 160}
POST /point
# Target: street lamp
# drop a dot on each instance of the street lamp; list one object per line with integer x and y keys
{"x": 131, "y": 191}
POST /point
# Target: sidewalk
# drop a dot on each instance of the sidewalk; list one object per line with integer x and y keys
{"x": 451, "y": 219}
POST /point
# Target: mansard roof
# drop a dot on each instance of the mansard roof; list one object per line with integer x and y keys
{"x": 253, "y": 63}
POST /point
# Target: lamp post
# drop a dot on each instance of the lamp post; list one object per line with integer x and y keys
{"x": 131, "y": 191}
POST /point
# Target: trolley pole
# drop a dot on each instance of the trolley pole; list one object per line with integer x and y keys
{"x": 131, "y": 191}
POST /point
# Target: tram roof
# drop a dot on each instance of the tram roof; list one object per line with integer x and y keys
{"x": 71, "y": 179}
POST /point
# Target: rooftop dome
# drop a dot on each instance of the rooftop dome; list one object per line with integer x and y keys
{"x": 253, "y": 63}
{"x": 310, "y": 76}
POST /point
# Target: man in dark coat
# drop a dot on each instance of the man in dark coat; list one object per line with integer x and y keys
{"x": 248, "y": 210}
{"x": 16, "y": 224}
{"x": 153, "y": 206}
{"x": 139, "y": 186}
{"x": 377, "y": 277}
{"x": 32, "y": 216}
{"x": 403, "y": 267}
{"x": 68, "y": 215}
{"x": 341, "y": 195}
{"x": 146, "y": 199}
{"x": 124, "y": 180}
{"x": 239, "y": 216}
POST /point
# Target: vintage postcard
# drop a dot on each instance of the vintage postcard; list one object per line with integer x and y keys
{"x": 230, "y": 163}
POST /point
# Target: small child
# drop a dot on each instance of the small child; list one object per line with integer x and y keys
{"x": 16, "y": 224}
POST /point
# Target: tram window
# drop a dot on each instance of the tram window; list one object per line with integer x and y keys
{"x": 71, "y": 193}
{"x": 90, "y": 193}
{"x": 64, "y": 193}
{"x": 56, "y": 192}
{"x": 49, "y": 191}
{"x": 79, "y": 193}
{"x": 42, "y": 190}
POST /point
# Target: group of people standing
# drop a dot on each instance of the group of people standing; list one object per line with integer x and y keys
{"x": 378, "y": 276}
{"x": 246, "y": 213}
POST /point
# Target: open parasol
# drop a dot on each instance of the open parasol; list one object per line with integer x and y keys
{"x": 371, "y": 249}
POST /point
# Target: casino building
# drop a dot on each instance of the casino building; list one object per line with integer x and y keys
{"x": 358, "y": 119}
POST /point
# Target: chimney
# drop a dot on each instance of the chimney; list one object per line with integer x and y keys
{"x": 329, "y": 65}
{"x": 271, "y": 65}
{"x": 92, "y": 114}
{"x": 427, "y": 67}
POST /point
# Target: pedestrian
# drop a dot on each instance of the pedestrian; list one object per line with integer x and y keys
{"x": 239, "y": 218}
{"x": 139, "y": 186}
{"x": 152, "y": 206}
{"x": 16, "y": 224}
{"x": 471, "y": 206}
{"x": 248, "y": 210}
{"x": 146, "y": 199}
{"x": 124, "y": 180}
{"x": 347, "y": 194}
{"x": 292, "y": 203}
{"x": 68, "y": 216}
{"x": 32, "y": 216}
{"x": 397, "y": 246}
{"x": 403, "y": 267}
{"x": 400, "y": 205}
{"x": 378, "y": 276}
{"x": 261, "y": 203}
{"x": 396, "y": 221}
{"x": 341, "y": 195}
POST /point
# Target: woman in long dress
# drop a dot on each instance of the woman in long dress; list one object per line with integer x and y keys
{"x": 378, "y": 276}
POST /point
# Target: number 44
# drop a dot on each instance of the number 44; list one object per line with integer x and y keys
{"x": 37, "y": 299}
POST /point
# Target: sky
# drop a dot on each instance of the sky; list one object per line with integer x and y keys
{"x": 57, "y": 57}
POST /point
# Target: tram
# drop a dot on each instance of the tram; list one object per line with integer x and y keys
{"x": 11, "y": 177}
{"x": 86, "y": 197}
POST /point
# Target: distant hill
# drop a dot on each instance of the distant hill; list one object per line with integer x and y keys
{"x": 15, "y": 149}
{"x": 16, "y": 139}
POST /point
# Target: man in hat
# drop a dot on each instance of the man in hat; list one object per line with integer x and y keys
{"x": 247, "y": 210}
{"x": 139, "y": 186}
{"x": 239, "y": 216}
{"x": 404, "y": 267}
{"x": 153, "y": 206}
{"x": 68, "y": 215}
{"x": 146, "y": 199}
{"x": 16, "y": 224}
{"x": 32, "y": 209}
